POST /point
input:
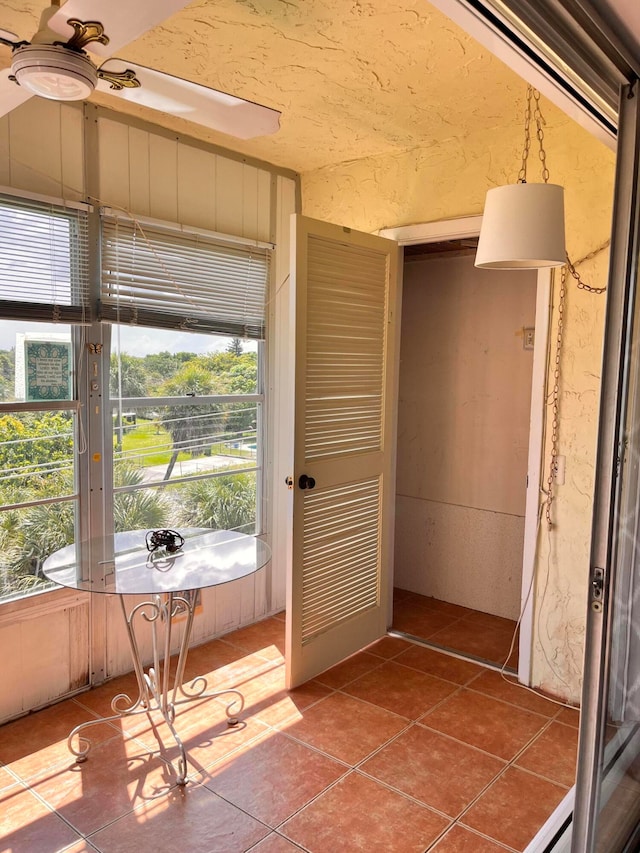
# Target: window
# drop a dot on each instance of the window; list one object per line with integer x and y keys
{"x": 181, "y": 316}
{"x": 185, "y": 387}
{"x": 186, "y": 410}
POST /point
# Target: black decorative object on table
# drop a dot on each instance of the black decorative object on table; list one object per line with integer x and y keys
{"x": 170, "y": 540}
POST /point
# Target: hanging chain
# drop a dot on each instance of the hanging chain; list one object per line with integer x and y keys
{"x": 539, "y": 120}
{"x": 533, "y": 95}
{"x": 554, "y": 399}
{"x": 533, "y": 111}
{"x": 576, "y": 274}
{"x": 522, "y": 174}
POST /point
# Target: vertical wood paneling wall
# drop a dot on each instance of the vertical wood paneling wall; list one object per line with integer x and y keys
{"x": 165, "y": 178}
{"x": 42, "y": 149}
{"x": 87, "y": 153}
{"x": 463, "y": 433}
{"x": 43, "y": 654}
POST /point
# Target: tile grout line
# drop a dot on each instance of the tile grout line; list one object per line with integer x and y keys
{"x": 507, "y": 765}
{"x": 357, "y": 767}
{"x": 280, "y": 824}
{"x": 500, "y": 844}
{"x": 510, "y": 704}
{"x": 273, "y": 832}
{"x": 52, "y": 810}
{"x": 425, "y": 713}
{"x": 510, "y": 764}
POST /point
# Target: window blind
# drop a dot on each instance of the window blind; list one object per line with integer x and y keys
{"x": 155, "y": 276}
{"x": 44, "y": 267}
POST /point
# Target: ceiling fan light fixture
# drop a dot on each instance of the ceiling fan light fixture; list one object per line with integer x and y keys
{"x": 54, "y": 72}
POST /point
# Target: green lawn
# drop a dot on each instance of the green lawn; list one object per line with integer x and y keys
{"x": 148, "y": 443}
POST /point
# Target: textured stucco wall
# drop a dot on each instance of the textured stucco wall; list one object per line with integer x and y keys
{"x": 448, "y": 180}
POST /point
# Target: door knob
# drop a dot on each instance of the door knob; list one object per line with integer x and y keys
{"x": 306, "y": 482}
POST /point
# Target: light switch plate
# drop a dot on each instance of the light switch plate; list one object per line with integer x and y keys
{"x": 528, "y": 337}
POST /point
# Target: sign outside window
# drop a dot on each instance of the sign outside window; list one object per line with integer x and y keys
{"x": 47, "y": 370}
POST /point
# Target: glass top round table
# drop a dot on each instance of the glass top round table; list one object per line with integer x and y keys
{"x": 207, "y": 558}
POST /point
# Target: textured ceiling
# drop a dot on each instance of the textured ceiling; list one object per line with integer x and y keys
{"x": 353, "y": 78}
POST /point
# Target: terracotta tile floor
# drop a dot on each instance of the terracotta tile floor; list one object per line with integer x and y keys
{"x": 399, "y": 749}
{"x": 450, "y": 626}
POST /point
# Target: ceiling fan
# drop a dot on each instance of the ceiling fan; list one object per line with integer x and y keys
{"x": 56, "y": 64}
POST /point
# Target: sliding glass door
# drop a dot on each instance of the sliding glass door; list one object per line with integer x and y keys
{"x": 589, "y": 49}
{"x": 607, "y": 809}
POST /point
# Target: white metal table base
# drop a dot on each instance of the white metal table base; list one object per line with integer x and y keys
{"x": 156, "y": 690}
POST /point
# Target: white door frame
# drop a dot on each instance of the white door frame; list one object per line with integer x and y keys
{"x": 457, "y": 229}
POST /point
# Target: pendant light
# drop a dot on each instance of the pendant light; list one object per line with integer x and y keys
{"x": 523, "y": 224}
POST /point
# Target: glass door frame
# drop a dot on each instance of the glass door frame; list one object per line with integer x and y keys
{"x": 620, "y": 368}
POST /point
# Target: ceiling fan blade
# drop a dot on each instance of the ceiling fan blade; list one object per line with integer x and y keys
{"x": 7, "y": 36}
{"x": 123, "y": 20}
{"x": 191, "y": 101}
{"x": 11, "y": 95}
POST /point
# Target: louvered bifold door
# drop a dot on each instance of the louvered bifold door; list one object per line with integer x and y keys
{"x": 345, "y": 292}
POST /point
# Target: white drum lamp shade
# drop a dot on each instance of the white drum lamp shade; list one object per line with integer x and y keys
{"x": 522, "y": 228}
